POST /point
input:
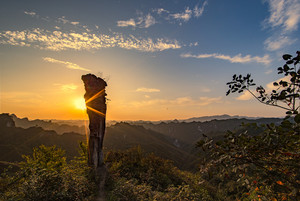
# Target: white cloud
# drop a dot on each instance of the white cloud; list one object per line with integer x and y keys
{"x": 285, "y": 17}
{"x": 276, "y": 43}
{"x": 141, "y": 22}
{"x": 150, "y": 90}
{"x": 149, "y": 21}
{"x": 74, "y": 23}
{"x": 193, "y": 44}
{"x": 65, "y": 63}
{"x": 235, "y": 59}
{"x": 185, "y": 16}
{"x": 30, "y": 13}
{"x": 161, "y": 10}
{"x": 58, "y": 41}
{"x": 199, "y": 11}
{"x": 126, "y": 23}
{"x": 65, "y": 21}
{"x": 284, "y": 13}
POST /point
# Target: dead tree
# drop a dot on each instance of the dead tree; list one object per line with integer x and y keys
{"x": 96, "y": 109}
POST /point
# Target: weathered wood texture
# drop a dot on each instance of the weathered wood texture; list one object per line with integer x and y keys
{"x": 96, "y": 110}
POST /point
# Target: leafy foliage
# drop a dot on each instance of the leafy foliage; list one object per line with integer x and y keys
{"x": 47, "y": 176}
{"x": 139, "y": 176}
{"x": 286, "y": 92}
{"x": 264, "y": 165}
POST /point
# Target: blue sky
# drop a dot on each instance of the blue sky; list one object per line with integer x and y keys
{"x": 161, "y": 59}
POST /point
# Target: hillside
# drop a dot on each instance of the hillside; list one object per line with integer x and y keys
{"x": 16, "y": 141}
{"x": 60, "y": 128}
{"x": 187, "y": 134}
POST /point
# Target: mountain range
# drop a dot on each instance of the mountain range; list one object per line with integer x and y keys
{"x": 174, "y": 140}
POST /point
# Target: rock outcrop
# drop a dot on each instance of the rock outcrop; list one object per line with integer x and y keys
{"x": 96, "y": 110}
{"x": 6, "y": 120}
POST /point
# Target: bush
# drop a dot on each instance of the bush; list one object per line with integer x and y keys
{"x": 135, "y": 175}
{"x": 47, "y": 176}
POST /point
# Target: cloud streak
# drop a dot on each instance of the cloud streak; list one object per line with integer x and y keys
{"x": 278, "y": 42}
{"x": 65, "y": 63}
{"x": 199, "y": 11}
{"x": 58, "y": 41}
{"x": 145, "y": 21}
{"x": 126, "y": 23}
{"x": 284, "y": 17}
{"x": 235, "y": 59}
{"x": 284, "y": 14}
{"x": 181, "y": 101}
{"x": 30, "y": 13}
{"x": 67, "y": 87}
{"x": 185, "y": 16}
{"x": 149, "y": 90}
{"x": 141, "y": 22}
{"x": 65, "y": 21}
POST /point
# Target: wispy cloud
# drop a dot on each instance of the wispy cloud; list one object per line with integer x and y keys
{"x": 67, "y": 87}
{"x": 31, "y": 13}
{"x": 65, "y": 63}
{"x": 278, "y": 42}
{"x": 145, "y": 21}
{"x": 199, "y": 11}
{"x": 126, "y": 23}
{"x": 149, "y": 90}
{"x": 160, "y": 11}
{"x": 181, "y": 101}
{"x": 189, "y": 13}
{"x": 185, "y": 16}
{"x": 141, "y": 21}
{"x": 284, "y": 14}
{"x": 285, "y": 18}
{"x": 58, "y": 41}
{"x": 65, "y": 21}
{"x": 149, "y": 21}
{"x": 235, "y": 59}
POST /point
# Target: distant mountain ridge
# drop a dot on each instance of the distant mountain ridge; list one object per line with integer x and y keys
{"x": 47, "y": 125}
{"x": 16, "y": 141}
{"x": 174, "y": 140}
{"x": 217, "y": 117}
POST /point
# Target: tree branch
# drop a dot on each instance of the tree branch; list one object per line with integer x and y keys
{"x": 264, "y": 102}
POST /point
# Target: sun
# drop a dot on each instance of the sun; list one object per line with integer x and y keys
{"x": 80, "y": 104}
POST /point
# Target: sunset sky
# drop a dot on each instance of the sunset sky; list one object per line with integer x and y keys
{"x": 161, "y": 59}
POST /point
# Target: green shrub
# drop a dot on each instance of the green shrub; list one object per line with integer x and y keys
{"x": 47, "y": 176}
{"x": 135, "y": 175}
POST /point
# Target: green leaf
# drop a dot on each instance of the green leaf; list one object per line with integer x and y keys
{"x": 297, "y": 118}
{"x": 286, "y": 56}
